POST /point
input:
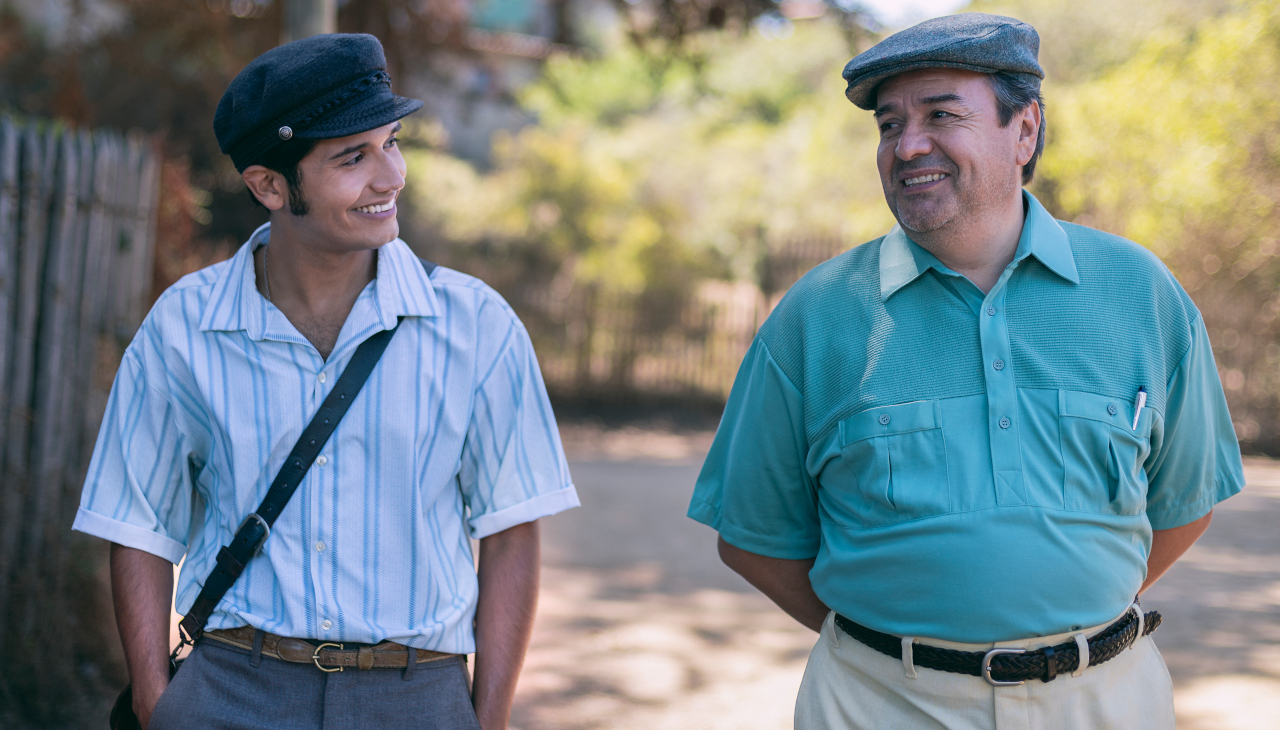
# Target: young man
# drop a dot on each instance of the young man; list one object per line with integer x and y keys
{"x": 369, "y": 566}
{"x": 961, "y": 450}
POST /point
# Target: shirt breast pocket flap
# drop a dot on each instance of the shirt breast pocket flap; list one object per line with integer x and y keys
{"x": 1102, "y": 454}
{"x": 897, "y": 461}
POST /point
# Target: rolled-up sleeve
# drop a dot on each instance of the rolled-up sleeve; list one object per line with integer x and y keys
{"x": 135, "y": 493}
{"x": 513, "y": 464}
{"x": 1195, "y": 460}
{"x": 754, "y": 488}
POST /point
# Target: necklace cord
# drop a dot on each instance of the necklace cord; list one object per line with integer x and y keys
{"x": 266, "y": 272}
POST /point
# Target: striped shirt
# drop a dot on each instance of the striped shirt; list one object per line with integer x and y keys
{"x": 451, "y": 438}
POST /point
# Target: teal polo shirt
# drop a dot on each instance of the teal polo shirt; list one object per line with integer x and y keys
{"x": 965, "y": 466}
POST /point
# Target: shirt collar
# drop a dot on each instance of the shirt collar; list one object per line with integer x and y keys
{"x": 401, "y": 289}
{"x": 902, "y": 260}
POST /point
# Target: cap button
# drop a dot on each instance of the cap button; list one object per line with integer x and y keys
{"x": 286, "y": 133}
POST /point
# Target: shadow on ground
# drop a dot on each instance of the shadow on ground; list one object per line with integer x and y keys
{"x": 640, "y": 626}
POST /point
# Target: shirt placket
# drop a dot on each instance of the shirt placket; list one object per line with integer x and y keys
{"x": 1002, "y": 395}
{"x": 319, "y": 545}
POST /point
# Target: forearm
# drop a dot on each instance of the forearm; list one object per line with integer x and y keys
{"x": 508, "y": 574}
{"x": 1169, "y": 545}
{"x": 785, "y": 582}
{"x": 142, "y": 591}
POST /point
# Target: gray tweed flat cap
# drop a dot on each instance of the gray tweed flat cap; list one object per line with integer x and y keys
{"x": 973, "y": 41}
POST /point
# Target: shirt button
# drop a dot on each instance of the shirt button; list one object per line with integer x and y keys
{"x": 1111, "y": 408}
{"x": 319, "y": 546}
{"x": 1004, "y": 423}
{"x": 322, "y": 461}
{"x": 323, "y": 377}
{"x": 884, "y": 419}
{"x": 998, "y": 364}
{"x": 991, "y": 311}
{"x": 326, "y": 624}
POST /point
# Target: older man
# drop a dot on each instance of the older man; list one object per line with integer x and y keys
{"x": 960, "y": 451}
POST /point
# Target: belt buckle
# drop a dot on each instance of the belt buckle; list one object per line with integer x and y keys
{"x": 986, "y": 667}
{"x": 315, "y": 657}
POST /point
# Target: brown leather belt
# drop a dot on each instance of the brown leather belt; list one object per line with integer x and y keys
{"x": 327, "y": 656}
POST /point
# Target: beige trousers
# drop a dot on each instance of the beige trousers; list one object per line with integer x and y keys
{"x": 850, "y": 686}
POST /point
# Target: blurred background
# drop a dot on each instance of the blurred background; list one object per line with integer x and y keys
{"x": 642, "y": 180}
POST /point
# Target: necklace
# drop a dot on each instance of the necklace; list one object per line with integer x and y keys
{"x": 266, "y": 272}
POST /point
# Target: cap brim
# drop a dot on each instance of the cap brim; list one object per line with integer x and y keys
{"x": 862, "y": 89}
{"x": 362, "y": 118}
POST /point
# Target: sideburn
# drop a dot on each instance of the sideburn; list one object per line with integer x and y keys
{"x": 297, "y": 203}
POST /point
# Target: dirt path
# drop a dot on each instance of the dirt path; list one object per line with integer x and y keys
{"x": 641, "y": 627}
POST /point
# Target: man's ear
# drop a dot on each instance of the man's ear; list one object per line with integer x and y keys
{"x": 268, "y": 186}
{"x": 1029, "y": 121}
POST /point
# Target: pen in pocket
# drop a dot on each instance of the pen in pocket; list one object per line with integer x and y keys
{"x": 1141, "y": 401}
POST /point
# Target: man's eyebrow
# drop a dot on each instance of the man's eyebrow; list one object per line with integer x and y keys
{"x": 939, "y": 98}
{"x": 349, "y": 150}
{"x": 362, "y": 145}
{"x": 935, "y": 99}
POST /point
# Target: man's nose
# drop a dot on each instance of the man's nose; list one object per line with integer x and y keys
{"x": 913, "y": 143}
{"x": 390, "y": 176}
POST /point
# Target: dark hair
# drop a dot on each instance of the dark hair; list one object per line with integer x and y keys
{"x": 1015, "y": 92}
{"x": 284, "y": 159}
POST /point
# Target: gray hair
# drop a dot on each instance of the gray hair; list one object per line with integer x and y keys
{"x": 1015, "y": 92}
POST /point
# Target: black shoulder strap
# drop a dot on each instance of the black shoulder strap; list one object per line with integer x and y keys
{"x": 255, "y": 528}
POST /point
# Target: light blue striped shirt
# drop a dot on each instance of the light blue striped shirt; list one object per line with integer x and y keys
{"x": 452, "y": 437}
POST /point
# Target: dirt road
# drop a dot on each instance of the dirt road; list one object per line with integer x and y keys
{"x": 640, "y": 626}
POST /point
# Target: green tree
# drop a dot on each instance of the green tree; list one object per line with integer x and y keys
{"x": 1178, "y": 148}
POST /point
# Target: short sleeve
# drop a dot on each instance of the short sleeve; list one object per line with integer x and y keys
{"x": 1195, "y": 460}
{"x": 135, "y": 493}
{"x": 513, "y": 465}
{"x": 754, "y": 488}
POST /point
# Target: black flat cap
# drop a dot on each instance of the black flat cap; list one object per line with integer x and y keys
{"x": 322, "y": 87}
{"x": 973, "y": 41}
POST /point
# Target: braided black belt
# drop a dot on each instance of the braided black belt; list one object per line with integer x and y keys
{"x": 1011, "y": 668}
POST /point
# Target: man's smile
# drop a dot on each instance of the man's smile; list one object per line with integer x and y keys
{"x": 377, "y": 207}
{"x": 909, "y": 182}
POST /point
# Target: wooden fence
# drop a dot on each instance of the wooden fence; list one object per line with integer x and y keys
{"x": 77, "y": 230}
{"x": 603, "y": 347}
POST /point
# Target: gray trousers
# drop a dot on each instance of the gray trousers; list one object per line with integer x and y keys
{"x": 219, "y": 687}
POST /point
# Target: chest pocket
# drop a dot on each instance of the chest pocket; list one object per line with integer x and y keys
{"x": 892, "y": 467}
{"x": 1102, "y": 454}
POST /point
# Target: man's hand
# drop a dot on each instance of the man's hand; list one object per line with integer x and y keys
{"x": 142, "y": 588}
{"x": 509, "y": 564}
{"x": 1169, "y": 545}
{"x": 785, "y": 582}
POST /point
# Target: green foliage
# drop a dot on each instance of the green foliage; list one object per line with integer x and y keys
{"x": 650, "y": 172}
{"x": 1081, "y": 39}
{"x": 734, "y": 143}
{"x": 1178, "y": 148}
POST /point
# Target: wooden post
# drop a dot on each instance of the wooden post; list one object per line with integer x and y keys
{"x": 81, "y": 346}
{"x": 125, "y": 244}
{"x": 144, "y": 220}
{"x": 305, "y": 18}
{"x": 8, "y": 260}
{"x": 10, "y": 498}
{"x": 136, "y": 220}
{"x": 98, "y": 275}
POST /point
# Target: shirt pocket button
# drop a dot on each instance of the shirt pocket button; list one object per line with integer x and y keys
{"x": 884, "y": 419}
{"x": 1111, "y": 408}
